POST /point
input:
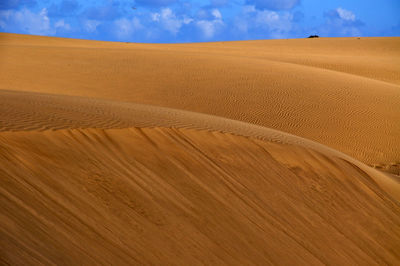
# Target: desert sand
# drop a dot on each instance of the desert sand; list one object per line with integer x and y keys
{"x": 254, "y": 152}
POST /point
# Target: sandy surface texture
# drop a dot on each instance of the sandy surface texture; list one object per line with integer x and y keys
{"x": 180, "y": 196}
{"x": 341, "y": 92}
{"x": 236, "y": 153}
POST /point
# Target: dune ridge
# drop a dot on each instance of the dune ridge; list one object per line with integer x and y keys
{"x": 21, "y": 111}
{"x": 342, "y": 92}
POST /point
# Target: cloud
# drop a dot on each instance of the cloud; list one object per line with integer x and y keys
{"x": 26, "y": 21}
{"x": 169, "y": 21}
{"x": 125, "y": 28}
{"x": 345, "y": 14}
{"x": 343, "y": 17}
{"x": 340, "y": 22}
{"x": 91, "y": 25}
{"x": 273, "y": 4}
{"x": 155, "y": 2}
{"x": 210, "y": 27}
{"x": 216, "y": 14}
{"x": 177, "y": 20}
{"x": 273, "y": 21}
{"x": 263, "y": 24}
{"x": 62, "y": 25}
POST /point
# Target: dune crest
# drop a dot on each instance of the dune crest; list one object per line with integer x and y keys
{"x": 19, "y": 112}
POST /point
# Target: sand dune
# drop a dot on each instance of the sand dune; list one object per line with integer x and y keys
{"x": 181, "y": 193}
{"x": 23, "y": 111}
{"x": 232, "y": 153}
{"x": 341, "y": 92}
{"x": 180, "y": 196}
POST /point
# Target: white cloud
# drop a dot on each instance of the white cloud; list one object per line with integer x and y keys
{"x": 62, "y": 25}
{"x": 187, "y": 20}
{"x": 207, "y": 21}
{"x": 207, "y": 27}
{"x": 346, "y": 14}
{"x": 124, "y": 28}
{"x": 169, "y": 21}
{"x": 274, "y": 21}
{"x": 210, "y": 27}
{"x": 341, "y": 22}
{"x": 271, "y": 24}
{"x": 216, "y": 14}
{"x": 91, "y": 25}
{"x": 155, "y": 16}
{"x": 26, "y": 21}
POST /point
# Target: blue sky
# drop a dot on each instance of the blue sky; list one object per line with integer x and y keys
{"x": 203, "y": 20}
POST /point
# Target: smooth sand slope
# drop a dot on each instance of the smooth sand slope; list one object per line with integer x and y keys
{"x": 180, "y": 196}
{"x": 122, "y": 183}
{"x": 94, "y": 171}
{"x": 342, "y": 92}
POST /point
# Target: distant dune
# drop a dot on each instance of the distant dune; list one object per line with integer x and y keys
{"x": 342, "y": 92}
{"x": 230, "y": 153}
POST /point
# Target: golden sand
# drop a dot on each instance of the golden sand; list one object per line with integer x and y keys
{"x": 233, "y": 153}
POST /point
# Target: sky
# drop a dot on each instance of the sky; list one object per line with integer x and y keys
{"x": 171, "y": 21}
